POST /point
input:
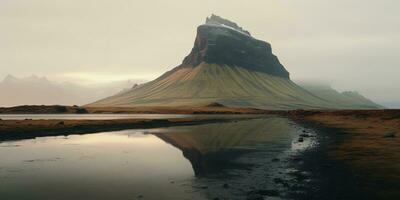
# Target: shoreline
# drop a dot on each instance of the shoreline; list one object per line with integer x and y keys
{"x": 27, "y": 129}
{"x": 58, "y": 109}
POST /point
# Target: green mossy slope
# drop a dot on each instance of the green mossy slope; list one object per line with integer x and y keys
{"x": 227, "y": 85}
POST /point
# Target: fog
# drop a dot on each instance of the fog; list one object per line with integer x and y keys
{"x": 34, "y": 90}
{"x": 350, "y": 44}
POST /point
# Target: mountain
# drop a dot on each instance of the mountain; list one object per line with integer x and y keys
{"x": 227, "y": 66}
{"x": 36, "y": 90}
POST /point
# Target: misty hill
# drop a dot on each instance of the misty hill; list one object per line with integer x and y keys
{"x": 36, "y": 90}
{"x": 226, "y": 66}
{"x": 351, "y": 99}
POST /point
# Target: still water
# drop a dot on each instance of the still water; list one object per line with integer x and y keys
{"x": 114, "y": 116}
{"x": 89, "y": 116}
{"x": 220, "y": 160}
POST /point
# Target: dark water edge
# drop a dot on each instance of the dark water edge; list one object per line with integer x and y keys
{"x": 266, "y": 158}
{"x": 332, "y": 179}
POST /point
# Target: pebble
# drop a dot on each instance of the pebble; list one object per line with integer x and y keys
{"x": 304, "y": 135}
{"x": 389, "y": 135}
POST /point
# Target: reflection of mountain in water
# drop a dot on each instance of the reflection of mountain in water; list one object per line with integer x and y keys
{"x": 213, "y": 148}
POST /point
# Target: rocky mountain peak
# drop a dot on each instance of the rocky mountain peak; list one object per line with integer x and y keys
{"x": 223, "y": 42}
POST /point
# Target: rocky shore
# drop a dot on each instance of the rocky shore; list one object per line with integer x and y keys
{"x": 25, "y": 129}
{"x": 367, "y": 143}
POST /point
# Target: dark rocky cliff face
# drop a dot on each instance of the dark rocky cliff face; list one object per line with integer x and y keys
{"x": 222, "y": 42}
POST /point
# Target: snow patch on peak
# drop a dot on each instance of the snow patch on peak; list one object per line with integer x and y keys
{"x": 219, "y": 21}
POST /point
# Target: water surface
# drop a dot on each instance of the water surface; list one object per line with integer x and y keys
{"x": 116, "y": 116}
{"x": 89, "y": 116}
{"x": 220, "y": 160}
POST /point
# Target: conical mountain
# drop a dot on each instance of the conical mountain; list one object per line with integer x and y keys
{"x": 226, "y": 66}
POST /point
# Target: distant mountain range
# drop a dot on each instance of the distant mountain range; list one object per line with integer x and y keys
{"x": 36, "y": 90}
{"x": 230, "y": 67}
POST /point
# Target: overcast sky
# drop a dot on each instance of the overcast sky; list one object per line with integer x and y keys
{"x": 351, "y": 44}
